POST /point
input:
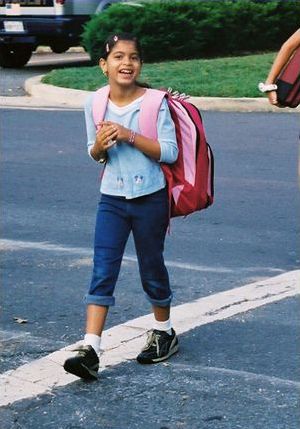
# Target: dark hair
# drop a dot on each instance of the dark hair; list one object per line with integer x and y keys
{"x": 113, "y": 39}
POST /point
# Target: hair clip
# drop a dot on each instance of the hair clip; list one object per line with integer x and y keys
{"x": 107, "y": 47}
{"x": 116, "y": 38}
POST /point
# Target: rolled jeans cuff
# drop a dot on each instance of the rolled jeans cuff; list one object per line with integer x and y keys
{"x": 106, "y": 301}
{"x": 160, "y": 302}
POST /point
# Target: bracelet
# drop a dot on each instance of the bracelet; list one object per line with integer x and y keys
{"x": 263, "y": 87}
{"x": 132, "y": 138}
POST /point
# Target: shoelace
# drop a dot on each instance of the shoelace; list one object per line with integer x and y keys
{"x": 152, "y": 340}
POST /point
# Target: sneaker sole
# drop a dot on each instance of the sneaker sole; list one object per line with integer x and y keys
{"x": 149, "y": 361}
{"x": 81, "y": 371}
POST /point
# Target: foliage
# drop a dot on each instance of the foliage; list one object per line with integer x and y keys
{"x": 174, "y": 30}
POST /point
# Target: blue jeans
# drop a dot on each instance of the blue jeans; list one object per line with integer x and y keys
{"x": 147, "y": 218}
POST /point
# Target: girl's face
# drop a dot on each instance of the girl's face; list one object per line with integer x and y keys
{"x": 123, "y": 64}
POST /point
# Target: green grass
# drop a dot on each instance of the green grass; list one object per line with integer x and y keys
{"x": 220, "y": 77}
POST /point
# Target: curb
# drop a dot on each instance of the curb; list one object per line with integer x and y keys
{"x": 43, "y": 95}
{"x": 54, "y": 95}
{"x": 47, "y": 50}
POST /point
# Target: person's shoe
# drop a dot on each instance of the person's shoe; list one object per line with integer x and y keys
{"x": 85, "y": 364}
{"x": 160, "y": 346}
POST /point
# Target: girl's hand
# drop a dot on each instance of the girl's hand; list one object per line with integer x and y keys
{"x": 272, "y": 95}
{"x": 106, "y": 136}
{"x": 122, "y": 133}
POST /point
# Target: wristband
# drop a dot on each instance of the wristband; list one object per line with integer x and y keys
{"x": 131, "y": 138}
{"x": 263, "y": 87}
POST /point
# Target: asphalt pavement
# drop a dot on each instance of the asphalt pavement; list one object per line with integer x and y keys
{"x": 41, "y": 62}
{"x": 236, "y": 370}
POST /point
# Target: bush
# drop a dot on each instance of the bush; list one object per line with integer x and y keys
{"x": 171, "y": 30}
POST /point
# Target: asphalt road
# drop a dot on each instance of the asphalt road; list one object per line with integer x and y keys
{"x": 12, "y": 80}
{"x": 237, "y": 373}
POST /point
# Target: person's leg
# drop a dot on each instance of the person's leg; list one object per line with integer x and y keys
{"x": 111, "y": 233}
{"x": 161, "y": 314}
{"x": 113, "y": 227}
{"x": 95, "y": 319}
{"x": 162, "y": 321}
{"x": 149, "y": 226}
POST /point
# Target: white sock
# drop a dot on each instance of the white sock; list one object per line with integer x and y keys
{"x": 92, "y": 340}
{"x": 163, "y": 326}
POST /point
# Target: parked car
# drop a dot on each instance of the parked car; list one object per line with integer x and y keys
{"x": 26, "y": 24}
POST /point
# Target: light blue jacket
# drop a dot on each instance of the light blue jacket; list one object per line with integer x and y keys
{"x": 129, "y": 172}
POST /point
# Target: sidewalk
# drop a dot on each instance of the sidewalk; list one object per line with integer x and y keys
{"x": 42, "y": 95}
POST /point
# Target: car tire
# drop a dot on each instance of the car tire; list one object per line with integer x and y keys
{"x": 59, "y": 48}
{"x": 15, "y": 56}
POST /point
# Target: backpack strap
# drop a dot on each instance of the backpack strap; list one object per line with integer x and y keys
{"x": 100, "y": 100}
{"x": 148, "y": 127}
{"x": 149, "y": 112}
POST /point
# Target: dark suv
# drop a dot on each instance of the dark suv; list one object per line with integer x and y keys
{"x": 26, "y": 24}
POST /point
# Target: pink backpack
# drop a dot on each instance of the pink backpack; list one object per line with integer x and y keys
{"x": 190, "y": 178}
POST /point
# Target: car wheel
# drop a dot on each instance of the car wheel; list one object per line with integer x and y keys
{"x": 59, "y": 48}
{"x": 15, "y": 56}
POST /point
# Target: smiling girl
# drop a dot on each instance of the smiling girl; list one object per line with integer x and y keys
{"x": 133, "y": 199}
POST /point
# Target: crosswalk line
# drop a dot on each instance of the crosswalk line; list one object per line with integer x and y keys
{"x": 17, "y": 245}
{"x": 123, "y": 342}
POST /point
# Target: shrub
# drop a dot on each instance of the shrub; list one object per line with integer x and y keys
{"x": 171, "y": 30}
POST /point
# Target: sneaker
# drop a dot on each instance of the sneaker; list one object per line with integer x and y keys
{"x": 85, "y": 364}
{"x": 160, "y": 346}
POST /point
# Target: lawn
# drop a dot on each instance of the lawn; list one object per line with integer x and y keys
{"x": 219, "y": 77}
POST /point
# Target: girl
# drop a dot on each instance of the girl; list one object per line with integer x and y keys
{"x": 133, "y": 198}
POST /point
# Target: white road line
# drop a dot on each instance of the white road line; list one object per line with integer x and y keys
{"x": 246, "y": 375}
{"x": 123, "y": 342}
{"x": 7, "y": 245}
